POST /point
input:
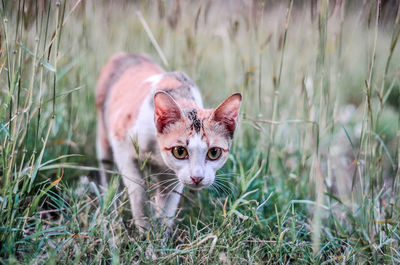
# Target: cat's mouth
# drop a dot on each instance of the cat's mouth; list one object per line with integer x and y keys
{"x": 196, "y": 185}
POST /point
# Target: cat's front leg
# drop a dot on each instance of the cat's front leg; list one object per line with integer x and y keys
{"x": 166, "y": 202}
{"x": 136, "y": 188}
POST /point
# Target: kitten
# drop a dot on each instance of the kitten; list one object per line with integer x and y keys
{"x": 137, "y": 101}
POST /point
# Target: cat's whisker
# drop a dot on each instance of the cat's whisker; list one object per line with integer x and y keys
{"x": 173, "y": 189}
{"x": 221, "y": 191}
{"x": 161, "y": 183}
{"x": 229, "y": 188}
{"x": 169, "y": 186}
{"x": 229, "y": 185}
{"x": 166, "y": 180}
{"x": 225, "y": 177}
{"x": 234, "y": 173}
{"x": 157, "y": 187}
{"x": 227, "y": 174}
{"x": 223, "y": 188}
{"x": 165, "y": 172}
{"x": 212, "y": 187}
{"x": 158, "y": 174}
{"x": 223, "y": 180}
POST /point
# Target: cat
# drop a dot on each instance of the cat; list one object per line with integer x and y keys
{"x": 162, "y": 113}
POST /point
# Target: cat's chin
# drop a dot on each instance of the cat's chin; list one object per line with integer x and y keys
{"x": 196, "y": 187}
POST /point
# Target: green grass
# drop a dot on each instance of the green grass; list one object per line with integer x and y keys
{"x": 313, "y": 176}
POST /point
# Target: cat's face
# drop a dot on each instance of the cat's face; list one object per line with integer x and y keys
{"x": 195, "y": 142}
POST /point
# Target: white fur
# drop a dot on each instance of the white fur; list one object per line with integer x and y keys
{"x": 154, "y": 79}
{"x": 197, "y": 96}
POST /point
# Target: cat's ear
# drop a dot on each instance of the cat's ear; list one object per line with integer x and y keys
{"x": 228, "y": 111}
{"x": 166, "y": 111}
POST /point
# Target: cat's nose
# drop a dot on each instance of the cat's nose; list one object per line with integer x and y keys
{"x": 196, "y": 180}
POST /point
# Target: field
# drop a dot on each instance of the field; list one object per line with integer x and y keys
{"x": 313, "y": 175}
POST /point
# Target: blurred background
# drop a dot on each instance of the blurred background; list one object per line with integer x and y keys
{"x": 313, "y": 174}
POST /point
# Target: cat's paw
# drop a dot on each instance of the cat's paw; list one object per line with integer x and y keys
{"x": 142, "y": 225}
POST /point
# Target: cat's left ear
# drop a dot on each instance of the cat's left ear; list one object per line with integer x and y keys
{"x": 228, "y": 111}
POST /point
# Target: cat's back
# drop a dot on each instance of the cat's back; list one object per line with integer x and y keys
{"x": 123, "y": 67}
{"x": 121, "y": 90}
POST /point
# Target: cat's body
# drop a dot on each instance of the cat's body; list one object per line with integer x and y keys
{"x": 162, "y": 113}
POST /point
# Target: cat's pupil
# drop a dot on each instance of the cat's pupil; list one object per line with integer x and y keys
{"x": 213, "y": 152}
{"x": 181, "y": 150}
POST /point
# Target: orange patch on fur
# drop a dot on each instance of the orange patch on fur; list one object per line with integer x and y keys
{"x": 127, "y": 96}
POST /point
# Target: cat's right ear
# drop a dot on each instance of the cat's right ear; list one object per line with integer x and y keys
{"x": 166, "y": 111}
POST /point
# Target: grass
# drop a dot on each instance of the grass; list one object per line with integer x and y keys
{"x": 313, "y": 177}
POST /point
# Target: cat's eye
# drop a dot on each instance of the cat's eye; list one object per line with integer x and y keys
{"x": 214, "y": 153}
{"x": 180, "y": 152}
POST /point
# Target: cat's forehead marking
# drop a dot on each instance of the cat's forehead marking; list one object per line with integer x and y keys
{"x": 196, "y": 123}
{"x": 204, "y": 136}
